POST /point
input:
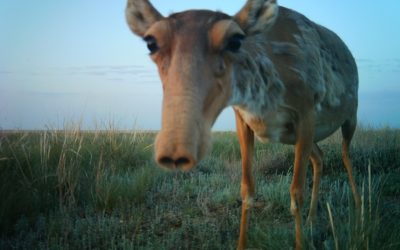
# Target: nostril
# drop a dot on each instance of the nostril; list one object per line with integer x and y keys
{"x": 182, "y": 161}
{"x": 166, "y": 161}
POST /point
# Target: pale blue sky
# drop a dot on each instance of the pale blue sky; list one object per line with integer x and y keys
{"x": 63, "y": 61}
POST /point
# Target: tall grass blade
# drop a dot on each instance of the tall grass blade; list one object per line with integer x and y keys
{"x": 332, "y": 226}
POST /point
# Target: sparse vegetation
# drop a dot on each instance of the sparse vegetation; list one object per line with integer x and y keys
{"x": 101, "y": 190}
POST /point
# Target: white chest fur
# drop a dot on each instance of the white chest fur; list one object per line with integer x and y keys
{"x": 269, "y": 127}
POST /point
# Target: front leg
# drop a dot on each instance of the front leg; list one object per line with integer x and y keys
{"x": 246, "y": 140}
{"x": 303, "y": 147}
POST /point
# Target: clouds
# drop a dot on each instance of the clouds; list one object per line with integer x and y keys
{"x": 379, "y": 91}
{"x": 379, "y": 65}
{"x": 54, "y": 95}
{"x": 132, "y": 74}
{"x": 5, "y": 72}
{"x": 34, "y": 97}
{"x": 379, "y": 108}
{"x": 109, "y": 70}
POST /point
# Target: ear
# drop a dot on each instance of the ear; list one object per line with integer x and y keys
{"x": 257, "y": 15}
{"x": 140, "y": 15}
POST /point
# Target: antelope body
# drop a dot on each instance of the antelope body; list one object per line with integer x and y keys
{"x": 288, "y": 80}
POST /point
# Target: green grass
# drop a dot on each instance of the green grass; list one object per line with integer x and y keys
{"x": 72, "y": 189}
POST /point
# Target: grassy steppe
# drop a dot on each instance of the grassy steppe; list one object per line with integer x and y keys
{"x": 101, "y": 190}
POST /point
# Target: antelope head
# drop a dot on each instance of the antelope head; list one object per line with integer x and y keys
{"x": 196, "y": 52}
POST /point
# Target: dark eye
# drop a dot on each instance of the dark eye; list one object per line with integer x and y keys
{"x": 151, "y": 44}
{"x": 234, "y": 43}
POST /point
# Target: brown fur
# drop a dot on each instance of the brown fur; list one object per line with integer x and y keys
{"x": 292, "y": 81}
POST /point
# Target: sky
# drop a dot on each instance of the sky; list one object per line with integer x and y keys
{"x": 76, "y": 61}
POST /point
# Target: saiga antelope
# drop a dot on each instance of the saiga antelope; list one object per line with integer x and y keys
{"x": 287, "y": 78}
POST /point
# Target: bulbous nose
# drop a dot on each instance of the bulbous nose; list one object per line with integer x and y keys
{"x": 179, "y": 158}
{"x": 182, "y": 162}
{"x": 175, "y": 153}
